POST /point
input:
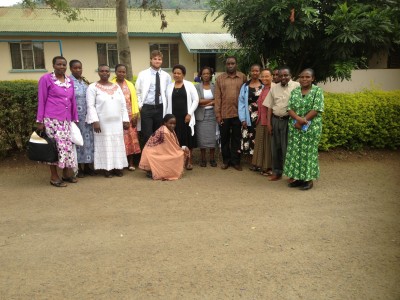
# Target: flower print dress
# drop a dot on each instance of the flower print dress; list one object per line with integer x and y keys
{"x": 249, "y": 133}
{"x": 53, "y": 98}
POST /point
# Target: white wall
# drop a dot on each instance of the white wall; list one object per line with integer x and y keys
{"x": 383, "y": 79}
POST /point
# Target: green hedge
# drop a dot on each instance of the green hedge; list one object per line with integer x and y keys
{"x": 18, "y": 105}
{"x": 366, "y": 119}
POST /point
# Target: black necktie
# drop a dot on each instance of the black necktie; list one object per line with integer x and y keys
{"x": 157, "y": 88}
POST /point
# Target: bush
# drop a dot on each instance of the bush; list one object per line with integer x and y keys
{"x": 365, "y": 119}
{"x": 18, "y": 105}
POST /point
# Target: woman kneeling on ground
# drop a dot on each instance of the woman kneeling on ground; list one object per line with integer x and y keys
{"x": 162, "y": 157}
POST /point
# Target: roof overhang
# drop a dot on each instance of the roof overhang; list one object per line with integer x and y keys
{"x": 209, "y": 42}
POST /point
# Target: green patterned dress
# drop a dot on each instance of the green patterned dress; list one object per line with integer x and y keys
{"x": 301, "y": 161}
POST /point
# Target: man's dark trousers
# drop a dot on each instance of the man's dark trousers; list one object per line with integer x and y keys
{"x": 151, "y": 119}
{"x": 230, "y": 141}
{"x": 279, "y": 143}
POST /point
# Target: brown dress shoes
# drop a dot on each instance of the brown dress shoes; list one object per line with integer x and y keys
{"x": 275, "y": 178}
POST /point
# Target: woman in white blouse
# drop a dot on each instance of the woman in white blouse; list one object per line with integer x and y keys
{"x": 206, "y": 124}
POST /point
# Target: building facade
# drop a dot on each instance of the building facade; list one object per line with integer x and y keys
{"x": 29, "y": 39}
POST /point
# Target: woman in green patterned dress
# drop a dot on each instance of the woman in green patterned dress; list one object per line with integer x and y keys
{"x": 306, "y": 104}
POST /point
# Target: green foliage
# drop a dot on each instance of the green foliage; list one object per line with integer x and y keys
{"x": 18, "y": 106}
{"x": 60, "y": 8}
{"x": 332, "y": 37}
{"x": 365, "y": 119}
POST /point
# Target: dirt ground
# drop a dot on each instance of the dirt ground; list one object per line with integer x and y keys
{"x": 214, "y": 234}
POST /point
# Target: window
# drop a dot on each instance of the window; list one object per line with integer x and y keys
{"x": 170, "y": 54}
{"x": 107, "y": 54}
{"x": 27, "y": 56}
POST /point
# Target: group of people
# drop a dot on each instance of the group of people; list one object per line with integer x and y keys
{"x": 269, "y": 117}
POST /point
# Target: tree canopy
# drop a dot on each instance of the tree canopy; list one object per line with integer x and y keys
{"x": 332, "y": 37}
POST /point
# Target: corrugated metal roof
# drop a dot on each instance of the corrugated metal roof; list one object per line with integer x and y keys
{"x": 209, "y": 42}
{"x": 102, "y": 21}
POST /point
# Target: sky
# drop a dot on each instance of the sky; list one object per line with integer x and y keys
{"x": 9, "y": 2}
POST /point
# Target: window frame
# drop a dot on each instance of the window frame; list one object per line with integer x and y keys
{"x": 107, "y": 54}
{"x": 170, "y": 57}
{"x": 34, "y": 57}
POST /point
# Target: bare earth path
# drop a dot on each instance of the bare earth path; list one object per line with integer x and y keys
{"x": 212, "y": 235}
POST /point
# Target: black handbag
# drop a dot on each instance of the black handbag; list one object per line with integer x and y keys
{"x": 42, "y": 148}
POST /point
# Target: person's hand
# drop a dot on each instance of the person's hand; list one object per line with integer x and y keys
{"x": 298, "y": 125}
{"x": 96, "y": 127}
{"x": 301, "y": 121}
{"x": 40, "y": 126}
{"x": 186, "y": 150}
{"x": 134, "y": 121}
{"x": 125, "y": 125}
{"x": 212, "y": 103}
{"x": 219, "y": 120}
{"x": 187, "y": 118}
{"x": 269, "y": 128}
{"x": 244, "y": 124}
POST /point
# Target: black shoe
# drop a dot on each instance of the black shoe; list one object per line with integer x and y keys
{"x": 149, "y": 175}
{"x": 89, "y": 171}
{"x": 238, "y": 167}
{"x": 296, "y": 183}
{"x": 307, "y": 185}
{"x": 118, "y": 172}
{"x": 80, "y": 174}
{"x": 108, "y": 174}
{"x": 224, "y": 166}
{"x": 203, "y": 164}
{"x": 213, "y": 163}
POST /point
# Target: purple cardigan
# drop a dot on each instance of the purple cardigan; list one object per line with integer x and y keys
{"x": 56, "y": 102}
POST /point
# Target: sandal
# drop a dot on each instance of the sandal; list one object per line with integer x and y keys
{"x": 203, "y": 163}
{"x": 189, "y": 167}
{"x": 266, "y": 173}
{"x": 254, "y": 168}
{"x": 70, "y": 179}
{"x": 131, "y": 168}
{"x": 58, "y": 183}
{"x": 213, "y": 163}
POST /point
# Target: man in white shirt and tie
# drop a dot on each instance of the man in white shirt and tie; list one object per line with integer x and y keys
{"x": 151, "y": 85}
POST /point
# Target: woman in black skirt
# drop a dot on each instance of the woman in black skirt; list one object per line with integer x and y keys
{"x": 182, "y": 100}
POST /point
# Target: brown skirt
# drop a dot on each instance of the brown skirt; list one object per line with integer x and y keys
{"x": 262, "y": 156}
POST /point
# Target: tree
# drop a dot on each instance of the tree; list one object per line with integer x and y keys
{"x": 124, "y": 51}
{"x": 331, "y": 37}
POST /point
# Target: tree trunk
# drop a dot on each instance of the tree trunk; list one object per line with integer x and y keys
{"x": 124, "y": 52}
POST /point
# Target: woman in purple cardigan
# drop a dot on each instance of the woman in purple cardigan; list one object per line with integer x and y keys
{"x": 56, "y": 111}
